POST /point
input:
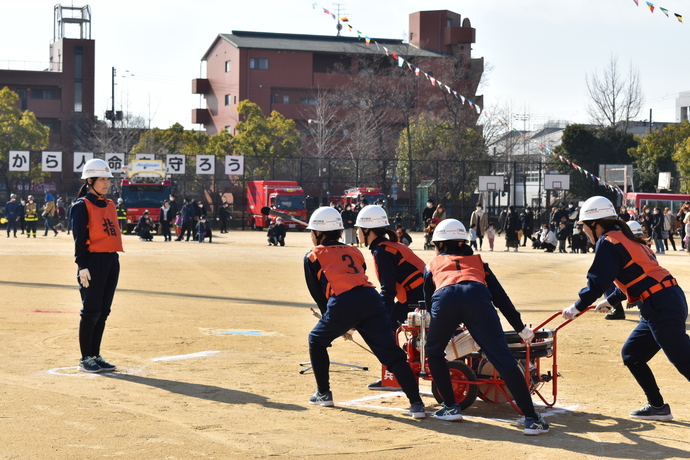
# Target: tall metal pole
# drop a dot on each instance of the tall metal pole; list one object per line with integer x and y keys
{"x": 112, "y": 119}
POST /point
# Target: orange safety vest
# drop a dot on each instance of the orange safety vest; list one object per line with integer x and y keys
{"x": 343, "y": 266}
{"x": 104, "y": 231}
{"x": 450, "y": 269}
{"x": 410, "y": 269}
{"x": 642, "y": 276}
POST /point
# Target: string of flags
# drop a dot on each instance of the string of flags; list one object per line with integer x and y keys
{"x": 651, "y": 7}
{"x": 442, "y": 86}
{"x": 401, "y": 60}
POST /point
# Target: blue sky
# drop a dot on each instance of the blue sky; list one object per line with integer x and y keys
{"x": 539, "y": 50}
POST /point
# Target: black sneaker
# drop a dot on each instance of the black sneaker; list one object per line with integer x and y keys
{"x": 378, "y": 386}
{"x": 535, "y": 426}
{"x": 452, "y": 414}
{"x": 104, "y": 365}
{"x": 649, "y": 412}
{"x": 417, "y": 410}
{"x": 89, "y": 364}
{"x": 322, "y": 399}
{"x": 617, "y": 313}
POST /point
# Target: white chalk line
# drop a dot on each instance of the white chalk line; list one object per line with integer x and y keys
{"x": 200, "y": 354}
{"x": 547, "y": 412}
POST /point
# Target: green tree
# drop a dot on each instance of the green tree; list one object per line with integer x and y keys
{"x": 588, "y": 148}
{"x": 438, "y": 142}
{"x": 268, "y": 137}
{"x": 682, "y": 156}
{"x": 19, "y": 131}
{"x": 656, "y": 153}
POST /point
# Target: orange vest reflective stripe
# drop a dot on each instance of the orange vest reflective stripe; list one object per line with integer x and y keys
{"x": 343, "y": 266}
{"x": 410, "y": 269}
{"x": 642, "y": 276}
{"x": 450, "y": 269}
{"x": 104, "y": 232}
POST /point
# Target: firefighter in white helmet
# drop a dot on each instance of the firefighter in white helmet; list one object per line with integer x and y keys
{"x": 399, "y": 270}
{"x": 623, "y": 258}
{"x": 97, "y": 240}
{"x": 336, "y": 278}
{"x": 460, "y": 288}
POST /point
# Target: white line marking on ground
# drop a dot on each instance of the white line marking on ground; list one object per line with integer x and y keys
{"x": 201, "y": 354}
{"x": 56, "y": 371}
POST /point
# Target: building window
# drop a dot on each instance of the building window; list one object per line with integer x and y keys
{"x": 22, "y": 97}
{"x": 78, "y": 70}
{"x": 228, "y": 66}
{"x": 286, "y": 99}
{"x": 307, "y": 100}
{"x": 234, "y": 99}
{"x": 256, "y": 63}
{"x": 228, "y": 99}
{"x": 274, "y": 98}
{"x": 228, "y": 128}
{"x": 77, "y": 96}
{"x": 42, "y": 94}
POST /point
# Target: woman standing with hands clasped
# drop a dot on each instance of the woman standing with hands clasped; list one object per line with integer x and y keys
{"x": 623, "y": 258}
{"x": 460, "y": 288}
{"x": 399, "y": 270}
{"x": 97, "y": 240}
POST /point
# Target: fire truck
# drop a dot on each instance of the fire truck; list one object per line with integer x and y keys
{"x": 352, "y": 195}
{"x": 145, "y": 189}
{"x": 284, "y": 196}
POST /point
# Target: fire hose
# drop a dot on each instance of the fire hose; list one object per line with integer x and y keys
{"x": 347, "y": 336}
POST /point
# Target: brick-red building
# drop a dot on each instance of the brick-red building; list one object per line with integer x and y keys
{"x": 280, "y": 71}
{"x": 61, "y": 95}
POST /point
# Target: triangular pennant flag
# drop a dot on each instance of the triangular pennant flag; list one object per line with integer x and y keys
{"x": 367, "y": 40}
{"x": 386, "y": 50}
{"x": 462, "y": 98}
{"x": 401, "y": 61}
{"x": 448, "y": 89}
{"x": 455, "y": 93}
{"x": 349, "y": 27}
{"x": 426, "y": 75}
{"x": 636, "y": 2}
{"x": 326, "y": 11}
{"x": 479, "y": 109}
{"x": 680, "y": 18}
{"x": 409, "y": 66}
{"x": 333, "y": 14}
{"x": 416, "y": 71}
{"x": 344, "y": 19}
{"x": 395, "y": 56}
{"x": 433, "y": 81}
{"x": 576, "y": 166}
{"x": 651, "y": 6}
{"x": 377, "y": 45}
{"x": 664, "y": 10}
{"x": 313, "y": 6}
{"x": 472, "y": 105}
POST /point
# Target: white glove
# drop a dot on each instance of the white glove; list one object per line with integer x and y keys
{"x": 527, "y": 335}
{"x": 603, "y": 307}
{"x": 570, "y": 313}
{"x": 84, "y": 277}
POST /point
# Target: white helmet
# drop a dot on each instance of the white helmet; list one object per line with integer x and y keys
{"x": 597, "y": 207}
{"x": 372, "y": 216}
{"x": 96, "y": 167}
{"x": 120, "y": 200}
{"x": 325, "y": 219}
{"x": 635, "y": 227}
{"x": 449, "y": 229}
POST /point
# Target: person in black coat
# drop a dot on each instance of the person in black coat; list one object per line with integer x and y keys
{"x": 511, "y": 227}
{"x": 527, "y": 221}
{"x": 428, "y": 212}
{"x": 223, "y": 216}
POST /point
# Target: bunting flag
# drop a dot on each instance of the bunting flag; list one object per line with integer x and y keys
{"x": 680, "y": 18}
{"x": 636, "y": 2}
{"x": 651, "y": 6}
{"x": 664, "y": 10}
{"x": 400, "y": 60}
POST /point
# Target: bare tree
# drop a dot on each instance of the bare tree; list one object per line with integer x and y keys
{"x": 613, "y": 100}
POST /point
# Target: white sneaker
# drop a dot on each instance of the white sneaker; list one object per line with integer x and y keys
{"x": 506, "y": 250}
{"x": 515, "y": 250}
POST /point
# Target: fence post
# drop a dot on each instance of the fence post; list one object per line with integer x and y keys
{"x": 357, "y": 172}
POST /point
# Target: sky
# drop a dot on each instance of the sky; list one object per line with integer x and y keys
{"x": 538, "y": 53}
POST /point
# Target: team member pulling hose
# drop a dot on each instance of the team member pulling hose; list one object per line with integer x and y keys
{"x": 336, "y": 278}
{"x": 399, "y": 270}
{"x": 460, "y": 288}
{"x": 623, "y": 258}
{"x": 97, "y": 240}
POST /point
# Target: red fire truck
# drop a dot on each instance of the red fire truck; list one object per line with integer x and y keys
{"x": 145, "y": 189}
{"x": 284, "y": 196}
{"x": 352, "y": 195}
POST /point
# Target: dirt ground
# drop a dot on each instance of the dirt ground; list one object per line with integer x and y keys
{"x": 209, "y": 339}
